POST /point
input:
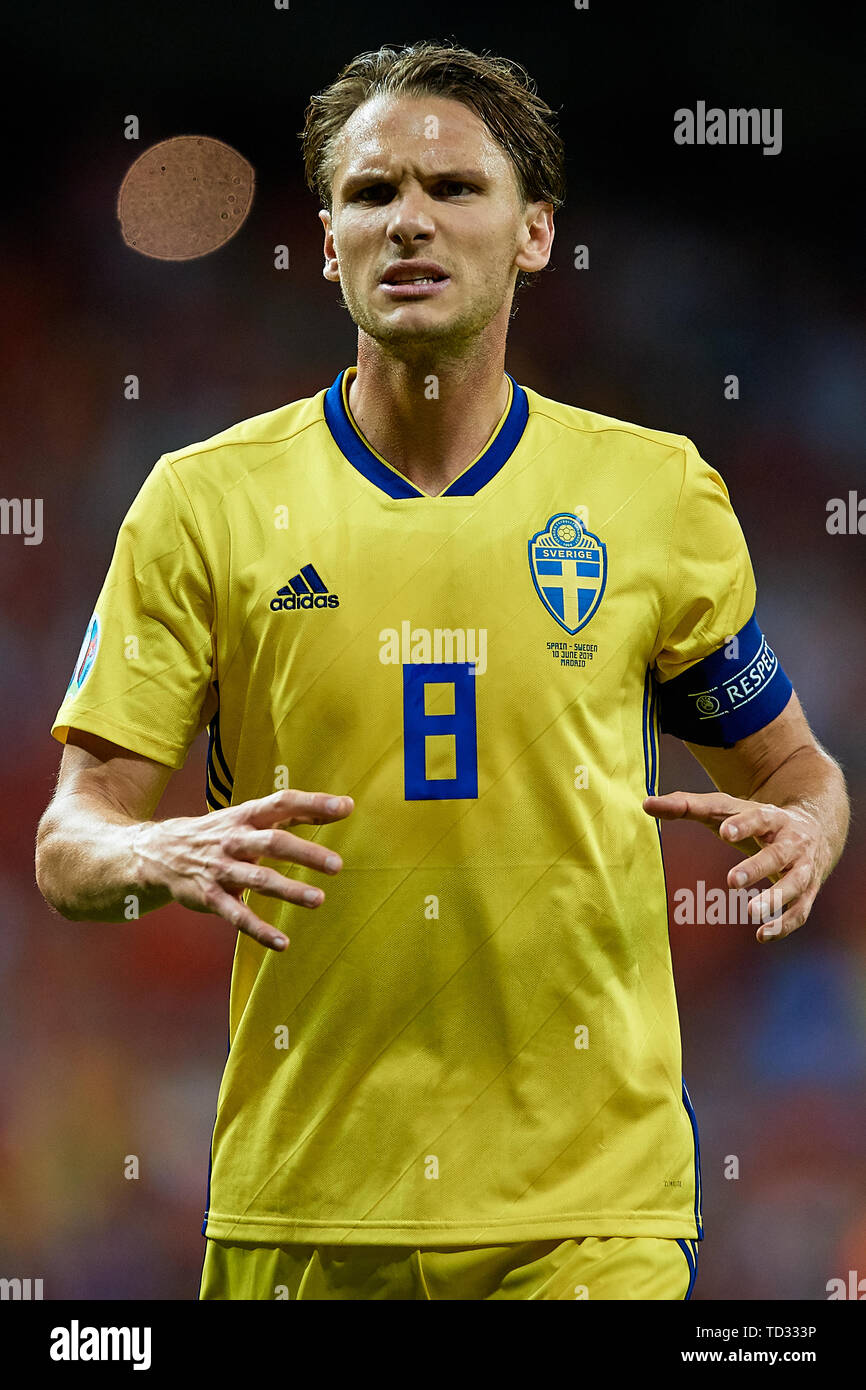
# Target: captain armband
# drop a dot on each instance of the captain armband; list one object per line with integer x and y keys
{"x": 728, "y": 695}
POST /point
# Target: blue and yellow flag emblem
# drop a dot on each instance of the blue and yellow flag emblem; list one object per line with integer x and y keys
{"x": 569, "y": 570}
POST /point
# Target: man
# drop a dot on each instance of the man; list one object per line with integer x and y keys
{"x": 466, "y": 610}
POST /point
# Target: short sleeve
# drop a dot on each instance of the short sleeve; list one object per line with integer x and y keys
{"x": 718, "y": 679}
{"x": 145, "y": 672}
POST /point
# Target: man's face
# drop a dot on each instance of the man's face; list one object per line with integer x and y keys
{"x": 421, "y": 179}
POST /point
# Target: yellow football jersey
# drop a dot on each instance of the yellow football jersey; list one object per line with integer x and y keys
{"x": 474, "y": 1040}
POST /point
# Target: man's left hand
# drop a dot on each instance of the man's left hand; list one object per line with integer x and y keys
{"x": 792, "y": 852}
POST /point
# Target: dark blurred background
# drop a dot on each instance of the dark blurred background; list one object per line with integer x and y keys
{"x": 703, "y": 262}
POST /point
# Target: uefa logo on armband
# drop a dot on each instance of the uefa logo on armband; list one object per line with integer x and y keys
{"x": 707, "y": 705}
{"x": 569, "y": 570}
{"x": 86, "y": 657}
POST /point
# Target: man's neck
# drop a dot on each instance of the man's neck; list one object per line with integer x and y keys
{"x": 428, "y": 419}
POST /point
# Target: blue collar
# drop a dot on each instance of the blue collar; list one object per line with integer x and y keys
{"x": 357, "y": 451}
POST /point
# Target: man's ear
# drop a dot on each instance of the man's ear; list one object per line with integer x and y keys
{"x": 537, "y": 238}
{"x": 331, "y": 269}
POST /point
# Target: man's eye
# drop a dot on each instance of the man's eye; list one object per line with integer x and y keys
{"x": 450, "y": 187}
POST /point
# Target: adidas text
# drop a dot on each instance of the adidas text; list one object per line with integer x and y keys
{"x": 305, "y": 601}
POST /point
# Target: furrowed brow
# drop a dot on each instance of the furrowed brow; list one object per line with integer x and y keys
{"x": 359, "y": 178}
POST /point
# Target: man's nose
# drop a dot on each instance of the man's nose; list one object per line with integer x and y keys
{"x": 410, "y": 220}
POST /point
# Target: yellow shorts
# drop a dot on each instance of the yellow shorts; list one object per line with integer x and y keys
{"x": 594, "y": 1267}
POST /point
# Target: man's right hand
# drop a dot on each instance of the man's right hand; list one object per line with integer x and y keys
{"x": 97, "y": 846}
{"x": 207, "y": 862}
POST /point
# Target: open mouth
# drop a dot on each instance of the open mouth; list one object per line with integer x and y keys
{"x": 419, "y": 280}
{"x": 415, "y": 286}
{"x": 408, "y": 278}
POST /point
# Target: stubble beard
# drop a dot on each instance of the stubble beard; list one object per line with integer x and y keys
{"x": 452, "y": 338}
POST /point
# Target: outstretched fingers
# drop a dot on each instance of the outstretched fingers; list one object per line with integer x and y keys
{"x": 293, "y": 807}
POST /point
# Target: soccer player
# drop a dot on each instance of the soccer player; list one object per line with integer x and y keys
{"x": 440, "y": 619}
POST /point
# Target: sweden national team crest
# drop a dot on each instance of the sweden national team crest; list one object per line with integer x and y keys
{"x": 569, "y": 570}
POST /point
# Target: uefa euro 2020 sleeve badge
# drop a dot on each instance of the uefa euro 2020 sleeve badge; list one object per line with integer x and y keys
{"x": 86, "y": 656}
{"x": 569, "y": 570}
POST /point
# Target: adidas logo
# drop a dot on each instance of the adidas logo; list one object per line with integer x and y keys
{"x": 306, "y": 589}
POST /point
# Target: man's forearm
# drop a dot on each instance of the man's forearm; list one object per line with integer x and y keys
{"x": 87, "y": 866}
{"x": 813, "y": 781}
